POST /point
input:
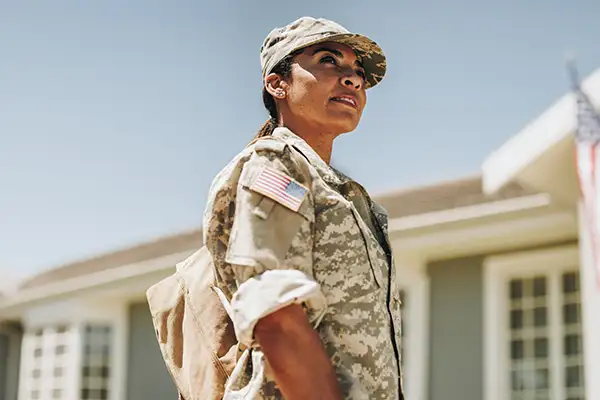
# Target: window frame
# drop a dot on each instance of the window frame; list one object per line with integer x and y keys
{"x": 49, "y": 339}
{"x": 498, "y": 270}
{"x": 77, "y": 313}
{"x": 96, "y": 338}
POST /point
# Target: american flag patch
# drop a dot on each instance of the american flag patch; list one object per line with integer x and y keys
{"x": 279, "y": 187}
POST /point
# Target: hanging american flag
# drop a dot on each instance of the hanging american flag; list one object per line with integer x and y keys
{"x": 587, "y": 142}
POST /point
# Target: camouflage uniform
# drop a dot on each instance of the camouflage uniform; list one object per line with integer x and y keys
{"x": 330, "y": 253}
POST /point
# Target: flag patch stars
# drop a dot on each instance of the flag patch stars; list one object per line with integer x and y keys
{"x": 280, "y": 187}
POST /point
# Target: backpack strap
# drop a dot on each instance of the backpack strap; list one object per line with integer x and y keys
{"x": 224, "y": 301}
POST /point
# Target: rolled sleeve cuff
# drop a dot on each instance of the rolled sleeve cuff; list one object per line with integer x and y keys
{"x": 270, "y": 291}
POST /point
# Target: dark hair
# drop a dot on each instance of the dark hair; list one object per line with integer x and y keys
{"x": 283, "y": 68}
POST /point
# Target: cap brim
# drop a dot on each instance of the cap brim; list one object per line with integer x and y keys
{"x": 370, "y": 54}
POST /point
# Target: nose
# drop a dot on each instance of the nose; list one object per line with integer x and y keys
{"x": 352, "y": 80}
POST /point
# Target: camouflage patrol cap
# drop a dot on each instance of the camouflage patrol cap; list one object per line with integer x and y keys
{"x": 308, "y": 31}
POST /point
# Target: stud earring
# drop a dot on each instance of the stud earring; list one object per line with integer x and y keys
{"x": 280, "y": 94}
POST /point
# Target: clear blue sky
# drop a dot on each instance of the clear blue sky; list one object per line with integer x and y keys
{"x": 114, "y": 116}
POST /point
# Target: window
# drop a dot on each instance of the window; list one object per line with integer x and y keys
{"x": 572, "y": 340}
{"x": 534, "y": 333}
{"x": 46, "y": 353}
{"x": 96, "y": 361}
{"x": 529, "y": 338}
{"x": 74, "y": 349}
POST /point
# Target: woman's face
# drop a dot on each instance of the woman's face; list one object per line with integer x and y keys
{"x": 326, "y": 91}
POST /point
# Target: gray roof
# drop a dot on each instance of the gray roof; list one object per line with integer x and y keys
{"x": 444, "y": 196}
{"x": 400, "y": 203}
{"x": 9, "y": 283}
{"x": 145, "y": 251}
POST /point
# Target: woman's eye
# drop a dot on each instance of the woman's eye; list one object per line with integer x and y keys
{"x": 329, "y": 59}
{"x": 361, "y": 73}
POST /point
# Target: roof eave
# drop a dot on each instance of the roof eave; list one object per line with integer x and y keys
{"x": 97, "y": 280}
{"x": 543, "y": 148}
{"x": 481, "y": 229}
{"x": 473, "y": 213}
{"x": 415, "y": 225}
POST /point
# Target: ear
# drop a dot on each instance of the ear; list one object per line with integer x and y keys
{"x": 275, "y": 86}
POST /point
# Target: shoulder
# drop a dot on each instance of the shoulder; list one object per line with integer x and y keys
{"x": 268, "y": 152}
{"x": 275, "y": 154}
{"x": 378, "y": 208}
{"x": 268, "y": 144}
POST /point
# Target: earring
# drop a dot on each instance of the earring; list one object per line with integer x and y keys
{"x": 280, "y": 94}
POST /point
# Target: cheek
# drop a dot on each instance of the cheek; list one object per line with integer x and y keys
{"x": 363, "y": 99}
{"x": 309, "y": 95}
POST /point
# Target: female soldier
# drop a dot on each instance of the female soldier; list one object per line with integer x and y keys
{"x": 300, "y": 250}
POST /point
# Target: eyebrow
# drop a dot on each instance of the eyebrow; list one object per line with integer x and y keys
{"x": 337, "y": 53}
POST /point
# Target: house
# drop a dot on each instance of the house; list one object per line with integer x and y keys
{"x": 499, "y": 293}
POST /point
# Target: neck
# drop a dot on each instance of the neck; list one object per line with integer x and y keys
{"x": 321, "y": 143}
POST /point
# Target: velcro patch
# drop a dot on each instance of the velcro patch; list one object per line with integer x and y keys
{"x": 280, "y": 187}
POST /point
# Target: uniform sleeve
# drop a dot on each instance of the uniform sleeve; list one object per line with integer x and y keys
{"x": 271, "y": 240}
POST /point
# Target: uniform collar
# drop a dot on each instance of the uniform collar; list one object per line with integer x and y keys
{"x": 343, "y": 184}
{"x": 329, "y": 174}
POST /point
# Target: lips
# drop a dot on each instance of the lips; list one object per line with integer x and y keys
{"x": 346, "y": 99}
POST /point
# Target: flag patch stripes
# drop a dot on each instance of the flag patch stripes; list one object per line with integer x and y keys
{"x": 280, "y": 187}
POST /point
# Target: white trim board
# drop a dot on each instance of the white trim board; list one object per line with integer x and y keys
{"x": 487, "y": 236}
{"x": 472, "y": 212}
{"x": 413, "y": 280}
{"x": 590, "y": 293}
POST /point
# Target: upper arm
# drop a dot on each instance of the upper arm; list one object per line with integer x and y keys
{"x": 259, "y": 229}
{"x": 273, "y": 216}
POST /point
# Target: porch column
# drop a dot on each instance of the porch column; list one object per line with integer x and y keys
{"x": 590, "y": 304}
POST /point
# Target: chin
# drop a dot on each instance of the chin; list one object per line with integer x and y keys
{"x": 343, "y": 126}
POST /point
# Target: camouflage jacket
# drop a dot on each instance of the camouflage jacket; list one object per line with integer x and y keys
{"x": 326, "y": 238}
